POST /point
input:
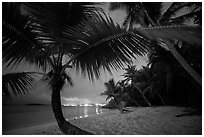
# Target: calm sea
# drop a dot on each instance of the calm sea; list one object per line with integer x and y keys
{"x": 14, "y": 117}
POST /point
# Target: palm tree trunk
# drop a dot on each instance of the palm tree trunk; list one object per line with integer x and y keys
{"x": 184, "y": 63}
{"x": 118, "y": 103}
{"x": 134, "y": 101}
{"x": 161, "y": 98}
{"x": 146, "y": 100}
{"x": 65, "y": 127}
{"x": 178, "y": 56}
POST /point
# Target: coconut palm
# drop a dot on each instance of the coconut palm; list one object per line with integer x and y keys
{"x": 49, "y": 34}
{"x": 45, "y": 33}
{"x": 168, "y": 69}
{"x": 137, "y": 80}
{"x": 153, "y": 14}
{"x": 154, "y": 17}
{"x": 115, "y": 92}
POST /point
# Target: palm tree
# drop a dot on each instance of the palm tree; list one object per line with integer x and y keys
{"x": 153, "y": 14}
{"x": 136, "y": 80}
{"x": 154, "y": 17}
{"x": 46, "y": 33}
{"x": 167, "y": 70}
{"x": 115, "y": 92}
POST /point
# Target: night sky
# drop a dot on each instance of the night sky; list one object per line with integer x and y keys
{"x": 83, "y": 91}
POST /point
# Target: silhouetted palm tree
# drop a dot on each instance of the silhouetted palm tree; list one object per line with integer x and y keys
{"x": 46, "y": 33}
{"x": 167, "y": 70}
{"x": 113, "y": 91}
{"x": 153, "y": 16}
{"x": 137, "y": 80}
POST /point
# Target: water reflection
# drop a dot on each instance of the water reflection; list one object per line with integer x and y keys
{"x": 97, "y": 110}
{"x": 85, "y": 111}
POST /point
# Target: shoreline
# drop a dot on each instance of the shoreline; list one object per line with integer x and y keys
{"x": 137, "y": 121}
{"x": 37, "y": 129}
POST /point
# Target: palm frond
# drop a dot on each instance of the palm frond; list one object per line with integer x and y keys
{"x": 181, "y": 19}
{"x": 154, "y": 9}
{"x": 17, "y": 83}
{"x": 119, "y": 5}
{"x": 103, "y": 93}
{"x": 19, "y": 40}
{"x": 67, "y": 78}
{"x": 188, "y": 34}
{"x": 172, "y": 11}
{"x": 108, "y": 97}
{"x": 50, "y": 79}
{"x": 54, "y": 17}
{"x": 102, "y": 44}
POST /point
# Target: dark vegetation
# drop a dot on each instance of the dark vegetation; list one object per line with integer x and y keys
{"x": 163, "y": 81}
{"x": 43, "y": 34}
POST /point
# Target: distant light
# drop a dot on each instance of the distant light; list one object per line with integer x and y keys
{"x": 98, "y": 104}
{"x": 80, "y": 117}
{"x": 86, "y": 105}
{"x": 76, "y": 118}
{"x": 85, "y": 115}
{"x": 72, "y": 105}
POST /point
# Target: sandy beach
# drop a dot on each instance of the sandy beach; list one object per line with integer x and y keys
{"x": 137, "y": 121}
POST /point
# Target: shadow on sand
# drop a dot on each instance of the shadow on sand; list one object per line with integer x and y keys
{"x": 191, "y": 112}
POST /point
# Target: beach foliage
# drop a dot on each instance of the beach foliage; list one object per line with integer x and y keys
{"x": 58, "y": 37}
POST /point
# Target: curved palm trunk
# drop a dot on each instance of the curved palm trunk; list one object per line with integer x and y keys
{"x": 65, "y": 127}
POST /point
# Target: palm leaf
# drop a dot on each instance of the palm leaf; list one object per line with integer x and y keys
{"x": 54, "y": 17}
{"x": 18, "y": 83}
{"x": 19, "y": 40}
{"x": 191, "y": 35}
{"x": 174, "y": 8}
{"x": 50, "y": 79}
{"x": 119, "y": 5}
{"x": 181, "y": 19}
{"x": 67, "y": 78}
{"x": 102, "y": 44}
{"x": 154, "y": 9}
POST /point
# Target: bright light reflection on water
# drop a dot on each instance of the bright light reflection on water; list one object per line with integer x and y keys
{"x": 97, "y": 110}
{"x": 81, "y": 111}
{"x": 85, "y": 110}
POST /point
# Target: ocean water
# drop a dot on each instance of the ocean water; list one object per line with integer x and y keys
{"x": 14, "y": 117}
{"x": 81, "y": 111}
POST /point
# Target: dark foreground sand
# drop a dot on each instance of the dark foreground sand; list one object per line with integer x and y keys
{"x": 142, "y": 121}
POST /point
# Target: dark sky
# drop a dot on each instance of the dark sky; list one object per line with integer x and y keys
{"x": 83, "y": 91}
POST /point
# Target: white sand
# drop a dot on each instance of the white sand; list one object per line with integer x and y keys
{"x": 148, "y": 120}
